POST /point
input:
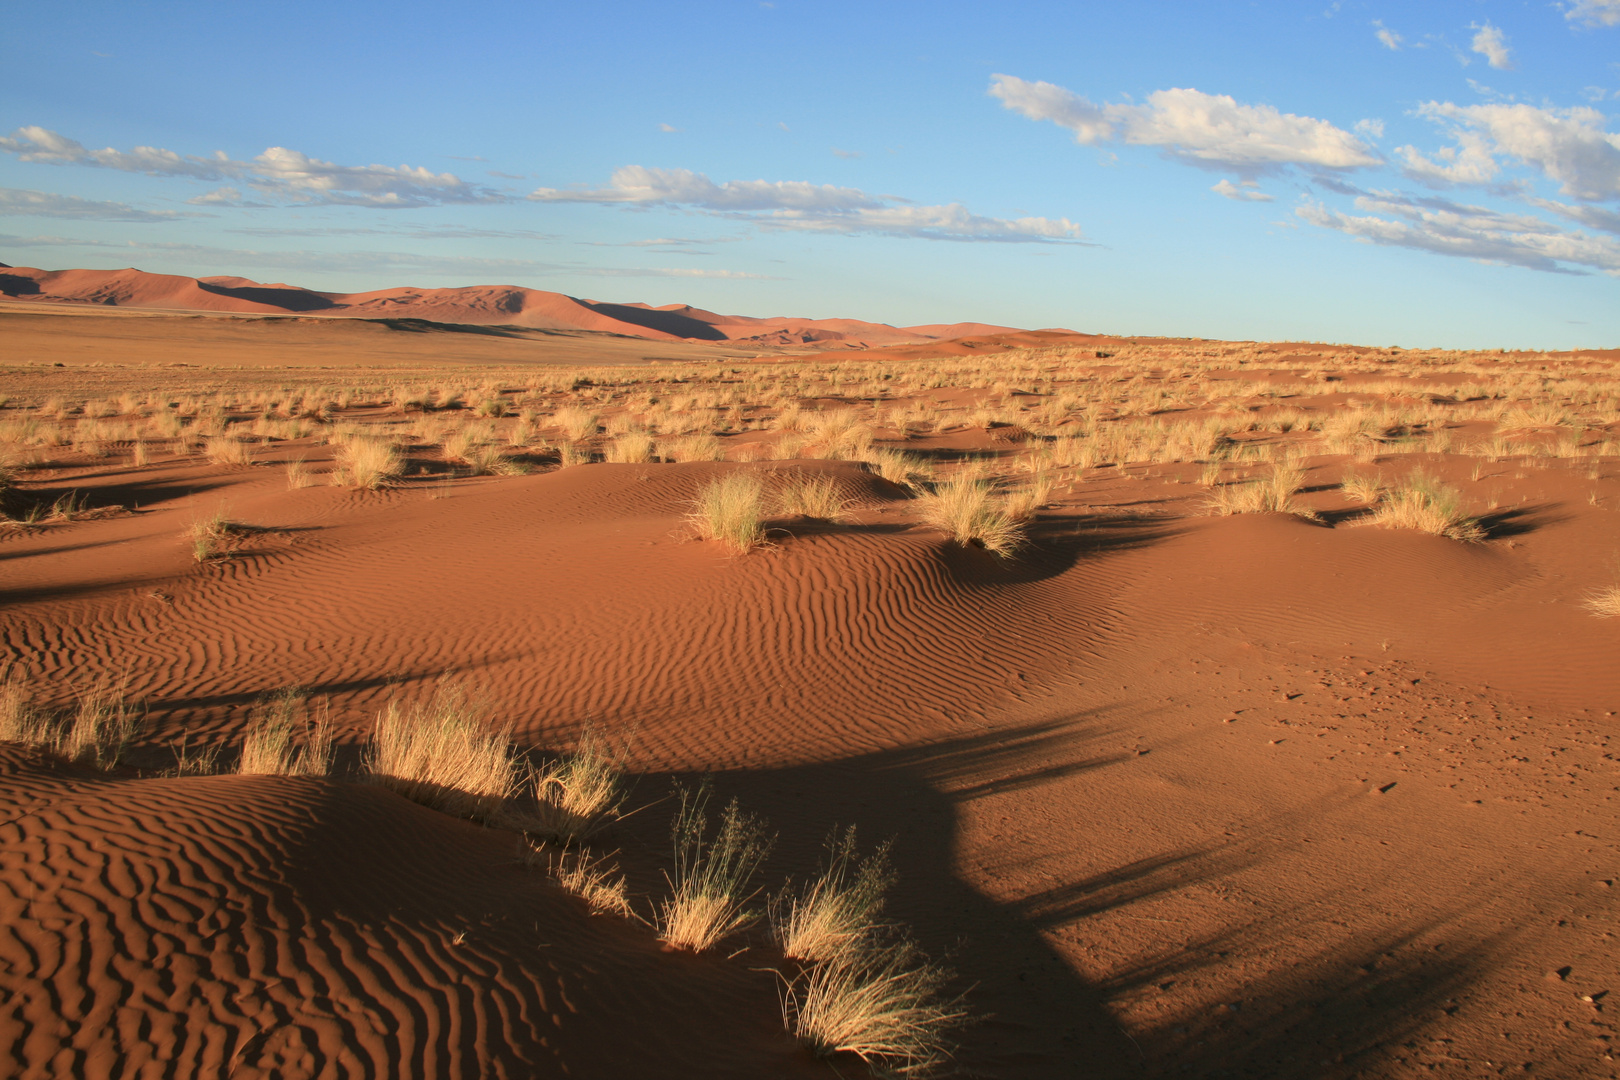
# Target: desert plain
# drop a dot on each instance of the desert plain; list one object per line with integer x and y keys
{"x": 1201, "y": 708}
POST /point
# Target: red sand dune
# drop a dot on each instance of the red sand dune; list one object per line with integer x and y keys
{"x": 481, "y": 305}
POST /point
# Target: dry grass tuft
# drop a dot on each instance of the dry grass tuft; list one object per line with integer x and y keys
{"x": 210, "y": 536}
{"x": 1425, "y": 504}
{"x": 367, "y": 464}
{"x": 1274, "y": 494}
{"x": 731, "y": 510}
{"x": 710, "y": 889}
{"x": 298, "y": 475}
{"x": 578, "y": 794}
{"x": 881, "y": 1003}
{"x": 594, "y": 880}
{"x": 226, "y": 450}
{"x": 811, "y": 497}
{"x": 442, "y": 754}
{"x": 836, "y": 911}
{"x": 631, "y": 448}
{"x": 1361, "y": 488}
{"x": 97, "y": 730}
{"x": 967, "y": 509}
{"x": 270, "y": 746}
{"x": 1605, "y": 603}
{"x": 575, "y": 422}
{"x": 897, "y": 467}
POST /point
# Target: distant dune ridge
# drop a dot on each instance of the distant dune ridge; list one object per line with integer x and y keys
{"x": 484, "y": 305}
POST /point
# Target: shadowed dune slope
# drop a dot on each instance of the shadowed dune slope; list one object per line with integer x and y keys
{"x": 266, "y": 927}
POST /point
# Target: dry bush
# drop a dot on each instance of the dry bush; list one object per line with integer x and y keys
{"x": 710, "y": 889}
{"x": 836, "y": 911}
{"x": 575, "y": 422}
{"x": 225, "y": 450}
{"x": 881, "y": 1003}
{"x": 1021, "y": 503}
{"x": 1272, "y": 494}
{"x": 576, "y": 795}
{"x": 703, "y": 447}
{"x": 367, "y": 464}
{"x": 442, "y": 754}
{"x": 100, "y": 726}
{"x": 897, "y": 467}
{"x": 1604, "y": 603}
{"x": 210, "y": 536}
{"x": 966, "y": 508}
{"x": 270, "y": 747}
{"x": 810, "y": 496}
{"x": 730, "y": 509}
{"x": 1425, "y": 504}
{"x": 592, "y": 879}
{"x": 631, "y": 448}
{"x": 572, "y": 454}
{"x": 298, "y": 475}
{"x": 1361, "y": 488}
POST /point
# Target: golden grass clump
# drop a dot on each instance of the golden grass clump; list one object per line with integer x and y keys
{"x": 1605, "y": 603}
{"x": 225, "y": 450}
{"x": 271, "y": 746}
{"x": 832, "y": 915}
{"x": 592, "y": 879}
{"x": 577, "y": 794}
{"x": 1273, "y": 493}
{"x": 1358, "y": 487}
{"x": 1425, "y": 504}
{"x": 631, "y": 448}
{"x": 897, "y": 467}
{"x": 575, "y": 422}
{"x": 966, "y": 508}
{"x": 710, "y": 889}
{"x": 210, "y": 536}
{"x": 98, "y": 729}
{"x": 367, "y": 464}
{"x": 730, "y": 510}
{"x": 811, "y": 497}
{"x": 881, "y": 1003}
{"x": 442, "y": 754}
{"x": 298, "y": 475}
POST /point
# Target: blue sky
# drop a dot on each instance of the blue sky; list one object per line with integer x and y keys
{"x": 1440, "y": 174}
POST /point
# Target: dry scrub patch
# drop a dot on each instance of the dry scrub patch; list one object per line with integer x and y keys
{"x": 367, "y": 464}
{"x": 441, "y": 753}
{"x": 731, "y": 510}
{"x": 271, "y": 747}
{"x": 1425, "y": 504}
{"x": 712, "y": 883}
{"x": 968, "y": 511}
{"x": 97, "y": 730}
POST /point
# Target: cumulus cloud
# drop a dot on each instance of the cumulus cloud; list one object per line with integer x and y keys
{"x": 1371, "y": 129}
{"x": 1595, "y": 12}
{"x": 1443, "y": 227}
{"x": 795, "y": 204}
{"x": 1387, "y": 37}
{"x": 278, "y": 173}
{"x": 18, "y": 201}
{"x": 1209, "y": 130}
{"x": 1491, "y": 43}
{"x": 1566, "y": 145}
{"x": 1245, "y": 193}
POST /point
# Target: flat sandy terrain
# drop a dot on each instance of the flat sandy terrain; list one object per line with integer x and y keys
{"x": 1217, "y": 771}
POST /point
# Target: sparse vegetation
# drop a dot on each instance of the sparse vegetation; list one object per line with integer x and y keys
{"x": 836, "y": 911}
{"x": 96, "y": 730}
{"x": 730, "y": 509}
{"x": 1425, "y": 504}
{"x": 969, "y": 512}
{"x": 594, "y": 880}
{"x": 443, "y": 754}
{"x": 712, "y": 883}
{"x": 274, "y": 729}
{"x": 577, "y": 794}
{"x": 367, "y": 464}
{"x": 810, "y": 496}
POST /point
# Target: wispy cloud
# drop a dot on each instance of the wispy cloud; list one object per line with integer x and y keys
{"x": 1387, "y": 37}
{"x": 19, "y": 201}
{"x": 1595, "y": 12}
{"x": 798, "y": 205}
{"x": 1208, "y": 130}
{"x": 1569, "y": 146}
{"x": 1245, "y": 193}
{"x": 850, "y": 154}
{"x": 370, "y": 264}
{"x": 278, "y": 173}
{"x": 1491, "y": 43}
{"x": 1443, "y": 227}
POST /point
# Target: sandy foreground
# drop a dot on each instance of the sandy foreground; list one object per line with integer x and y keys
{"x": 1178, "y": 787}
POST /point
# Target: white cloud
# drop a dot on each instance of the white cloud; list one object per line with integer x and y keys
{"x": 1491, "y": 43}
{"x": 1245, "y": 193}
{"x": 278, "y": 173}
{"x": 1595, "y": 12}
{"x": 792, "y": 204}
{"x": 1475, "y": 232}
{"x": 1370, "y": 129}
{"x": 1389, "y": 38}
{"x": 668, "y": 129}
{"x": 1591, "y": 216}
{"x": 17, "y": 201}
{"x": 1567, "y": 145}
{"x": 1209, "y": 130}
